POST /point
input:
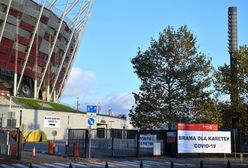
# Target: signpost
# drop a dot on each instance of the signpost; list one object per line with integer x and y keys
{"x": 91, "y": 122}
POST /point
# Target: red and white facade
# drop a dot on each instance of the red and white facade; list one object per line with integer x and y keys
{"x": 38, "y": 44}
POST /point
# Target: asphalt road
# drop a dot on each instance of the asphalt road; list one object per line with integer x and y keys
{"x": 43, "y": 157}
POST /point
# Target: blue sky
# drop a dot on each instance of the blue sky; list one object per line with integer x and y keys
{"x": 102, "y": 71}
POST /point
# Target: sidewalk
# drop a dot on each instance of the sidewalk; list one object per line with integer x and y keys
{"x": 48, "y": 158}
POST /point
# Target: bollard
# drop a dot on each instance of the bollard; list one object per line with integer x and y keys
{"x": 141, "y": 164}
{"x": 13, "y": 150}
{"x": 51, "y": 147}
{"x": 30, "y": 165}
{"x": 76, "y": 150}
{"x": 201, "y": 164}
{"x": 106, "y": 165}
{"x": 33, "y": 152}
{"x": 228, "y": 164}
{"x": 172, "y": 164}
{"x": 70, "y": 165}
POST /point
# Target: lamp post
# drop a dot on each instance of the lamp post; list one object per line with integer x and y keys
{"x": 77, "y": 103}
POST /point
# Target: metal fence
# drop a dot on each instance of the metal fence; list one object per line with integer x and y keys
{"x": 111, "y": 142}
{"x": 9, "y": 143}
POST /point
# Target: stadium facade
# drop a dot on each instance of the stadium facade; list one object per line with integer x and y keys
{"x": 38, "y": 43}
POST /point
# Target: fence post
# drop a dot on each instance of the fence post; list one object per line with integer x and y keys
{"x": 8, "y": 144}
{"x": 86, "y": 146}
{"x": 201, "y": 164}
{"x": 241, "y": 157}
{"x": 172, "y": 164}
{"x": 67, "y": 143}
{"x": 89, "y": 138}
{"x": 19, "y": 144}
{"x": 112, "y": 136}
{"x": 228, "y": 164}
{"x": 138, "y": 144}
{"x": 141, "y": 164}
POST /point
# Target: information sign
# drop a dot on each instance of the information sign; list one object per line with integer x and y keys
{"x": 91, "y": 108}
{"x": 171, "y": 137}
{"x": 147, "y": 140}
{"x": 51, "y": 122}
{"x": 197, "y": 127}
{"x": 156, "y": 149}
{"x": 204, "y": 141}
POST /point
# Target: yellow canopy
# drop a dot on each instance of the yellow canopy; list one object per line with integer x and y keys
{"x": 36, "y": 136}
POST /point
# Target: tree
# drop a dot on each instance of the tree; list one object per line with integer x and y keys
{"x": 238, "y": 111}
{"x": 174, "y": 80}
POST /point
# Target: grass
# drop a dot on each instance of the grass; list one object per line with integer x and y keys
{"x": 38, "y": 104}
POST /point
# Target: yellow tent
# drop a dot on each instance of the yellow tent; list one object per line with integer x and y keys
{"x": 25, "y": 135}
{"x": 36, "y": 136}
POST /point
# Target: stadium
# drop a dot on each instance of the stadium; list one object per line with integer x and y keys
{"x": 38, "y": 43}
{"x": 39, "y": 40}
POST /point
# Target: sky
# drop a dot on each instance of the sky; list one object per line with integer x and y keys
{"x": 102, "y": 72}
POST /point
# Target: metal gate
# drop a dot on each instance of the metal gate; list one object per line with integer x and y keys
{"x": 9, "y": 143}
{"x": 111, "y": 142}
{"x": 77, "y": 138}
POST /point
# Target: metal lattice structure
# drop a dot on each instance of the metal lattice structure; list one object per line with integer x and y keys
{"x": 38, "y": 43}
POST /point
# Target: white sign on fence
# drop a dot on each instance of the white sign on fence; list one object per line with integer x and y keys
{"x": 157, "y": 149}
{"x": 204, "y": 141}
{"x": 147, "y": 140}
{"x": 51, "y": 122}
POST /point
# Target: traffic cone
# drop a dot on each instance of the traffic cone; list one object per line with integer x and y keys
{"x": 33, "y": 152}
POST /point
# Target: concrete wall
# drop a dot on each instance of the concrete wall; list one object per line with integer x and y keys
{"x": 34, "y": 119}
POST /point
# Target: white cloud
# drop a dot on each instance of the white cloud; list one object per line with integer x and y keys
{"x": 77, "y": 73}
{"x": 119, "y": 103}
{"x": 79, "y": 82}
